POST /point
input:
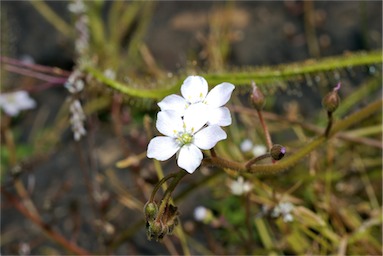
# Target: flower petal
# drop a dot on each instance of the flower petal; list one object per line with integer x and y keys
{"x": 169, "y": 123}
{"x": 209, "y": 136}
{"x": 174, "y": 102}
{"x": 219, "y": 116}
{"x": 189, "y": 158}
{"x": 194, "y": 89}
{"x": 11, "y": 109}
{"x": 196, "y": 116}
{"x": 219, "y": 95}
{"x": 162, "y": 148}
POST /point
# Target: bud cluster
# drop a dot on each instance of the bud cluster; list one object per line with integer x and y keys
{"x": 160, "y": 224}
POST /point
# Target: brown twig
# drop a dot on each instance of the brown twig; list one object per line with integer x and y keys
{"x": 43, "y": 226}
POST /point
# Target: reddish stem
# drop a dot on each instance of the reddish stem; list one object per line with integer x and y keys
{"x": 265, "y": 130}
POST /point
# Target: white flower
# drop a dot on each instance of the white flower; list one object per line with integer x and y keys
{"x": 200, "y": 213}
{"x": 195, "y": 90}
{"x": 246, "y": 145}
{"x": 283, "y": 209}
{"x": 240, "y": 186}
{"x": 12, "y": 103}
{"x": 77, "y": 7}
{"x": 186, "y": 135}
{"x": 77, "y": 120}
{"x": 75, "y": 84}
{"x": 259, "y": 150}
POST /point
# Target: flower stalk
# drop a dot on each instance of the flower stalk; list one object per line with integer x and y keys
{"x": 300, "y": 154}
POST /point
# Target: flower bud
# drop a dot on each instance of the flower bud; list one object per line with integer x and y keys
{"x": 257, "y": 97}
{"x": 331, "y": 101}
{"x": 155, "y": 229}
{"x": 150, "y": 210}
{"x": 277, "y": 152}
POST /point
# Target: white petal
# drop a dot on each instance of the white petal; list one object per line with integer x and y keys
{"x": 189, "y": 158}
{"x": 169, "y": 123}
{"x": 219, "y": 116}
{"x": 219, "y": 95}
{"x": 194, "y": 89}
{"x": 196, "y": 116}
{"x": 174, "y": 102}
{"x": 162, "y": 148}
{"x": 11, "y": 109}
{"x": 209, "y": 136}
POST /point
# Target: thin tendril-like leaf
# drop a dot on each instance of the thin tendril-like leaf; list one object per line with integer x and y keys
{"x": 244, "y": 76}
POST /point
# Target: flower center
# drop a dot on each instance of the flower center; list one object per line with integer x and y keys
{"x": 185, "y": 138}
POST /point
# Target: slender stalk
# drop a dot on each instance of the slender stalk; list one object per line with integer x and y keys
{"x": 52, "y": 17}
{"x": 41, "y": 76}
{"x": 329, "y": 124}
{"x": 265, "y": 130}
{"x": 159, "y": 184}
{"x": 213, "y": 153}
{"x": 300, "y": 154}
{"x": 256, "y": 159}
{"x": 35, "y": 67}
{"x": 165, "y": 200}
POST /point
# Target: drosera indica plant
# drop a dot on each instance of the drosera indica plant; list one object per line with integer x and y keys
{"x": 192, "y": 123}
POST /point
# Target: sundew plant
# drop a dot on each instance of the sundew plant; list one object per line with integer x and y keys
{"x": 191, "y": 128}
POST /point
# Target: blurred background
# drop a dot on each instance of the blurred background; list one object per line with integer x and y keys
{"x": 77, "y": 187}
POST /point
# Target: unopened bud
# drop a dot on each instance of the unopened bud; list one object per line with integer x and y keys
{"x": 277, "y": 152}
{"x": 331, "y": 101}
{"x": 150, "y": 210}
{"x": 155, "y": 229}
{"x": 257, "y": 97}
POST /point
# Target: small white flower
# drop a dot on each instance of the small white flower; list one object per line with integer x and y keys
{"x": 12, "y": 103}
{"x": 203, "y": 214}
{"x": 259, "y": 150}
{"x": 110, "y": 73}
{"x": 77, "y": 7}
{"x": 283, "y": 209}
{"x": 246, "y": 145}
{"x": 186, "y": 135}
{"x": 77, "y": 120}
{"x": 240, "y": 186}
{"x": 195, "y": 90}
{"x": 74, "y": 84}
{"x": 200, "y": 213}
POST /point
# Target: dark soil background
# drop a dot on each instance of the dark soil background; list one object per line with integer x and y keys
{"x": 268, "y": 33}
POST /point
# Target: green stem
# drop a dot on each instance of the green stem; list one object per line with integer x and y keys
{"x": 54, "y": 19}
{"x": 159, "y": 184}
{"x": 300, "y": 154}
{"x": 165, "y": 200}
{"x": 266, "y": 75}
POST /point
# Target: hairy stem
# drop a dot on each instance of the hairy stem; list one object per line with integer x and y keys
{"x": 300, "y": 154}
{"x": 243, "y": 77}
